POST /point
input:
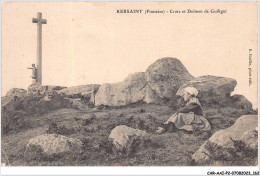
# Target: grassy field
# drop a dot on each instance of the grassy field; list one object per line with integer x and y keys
{"x": 93, "y": 127}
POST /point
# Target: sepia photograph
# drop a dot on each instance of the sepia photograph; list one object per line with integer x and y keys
{"x": 129, "y": 83}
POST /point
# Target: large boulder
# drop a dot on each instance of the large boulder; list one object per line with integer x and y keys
{"x": 123, "y": 136}
{"x": 46, "y": 93}
{"x": 53, "y": 144}
{"x": 37, "y": 100}
{"x": 87, "y": 93}
{"x": 133, "y": 89}
{"x": 78, "y": 91}
{"x": 13, "y": 95}
{"x": 15, "y": 92}
{"x": 212, "y": 89}
{"x": 243, "y": 130}
{"x": 241, "y": 102}
{"x": 160, "y": 81}
{"x": 77, "y": 103}
{"x": 43, "y": 89}
{"x": 166, "y": 76}
{"x": 251, "y": 139}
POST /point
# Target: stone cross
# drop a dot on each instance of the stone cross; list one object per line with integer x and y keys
{"x": 39, "y": 22}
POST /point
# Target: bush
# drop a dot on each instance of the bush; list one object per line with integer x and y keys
{"x": 53, "y": 128}
{"x": 33, "y": 153}
{"x": 86, "y": 143}
{"x": 107, "y": 146}
{"x": 146, "y": 124}
{"x": 136, "y": 145}
{"x": 86, "y": 122}
{"x": 35, "y": 104}
{"x": 14, "y": 121}
{"x": 141, "y": 110}
{"x": 238, "y": 155}
{"x": 16, "y": 114}
{"x": 100, "y": 107}
{"x": 140, "y": 145}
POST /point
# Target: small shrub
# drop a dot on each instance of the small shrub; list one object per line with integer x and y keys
{"x": 150, "y": 117}
{"x": 111, "y": 126}
{"x": 86, "y": 143}
{"x": 141, "y": 110}
{"x": 107, "y": 146}
{"x": 53, "y": 128}
{"x": 149, "y": 143}
{"x": 35, "y": 104}
{"x": 138, "y": 144}
{"x": 63, "y": 130}
{"x": 86, "y": 122}
{"x": 16, "y": 114}
{"x": 239, "y": 154}
{"x": 93, "y": 117}
{"x": 33, "y": 153}
{"x": 14, "y": 121}
{"x": 77, "y": 119}
{"x": 139, "y": 124}
{"x": 121, "y": 115}
{"x": 100, "y": 107}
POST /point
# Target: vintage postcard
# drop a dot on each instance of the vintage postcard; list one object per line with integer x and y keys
{"x": 129, "y": 84}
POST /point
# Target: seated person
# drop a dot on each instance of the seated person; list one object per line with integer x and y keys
{"x": 188, "y": 118}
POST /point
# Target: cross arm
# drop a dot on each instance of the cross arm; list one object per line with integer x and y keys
{"x": 44, "y": 21}
{"x": 36, "y": 20}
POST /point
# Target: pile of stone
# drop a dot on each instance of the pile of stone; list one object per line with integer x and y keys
{"x": 163, "y": 81}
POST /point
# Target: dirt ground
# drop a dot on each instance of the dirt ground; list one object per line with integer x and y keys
{"x": 94, "y": 126}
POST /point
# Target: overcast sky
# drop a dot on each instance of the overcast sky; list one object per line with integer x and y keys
{"x": 88, "y": 42}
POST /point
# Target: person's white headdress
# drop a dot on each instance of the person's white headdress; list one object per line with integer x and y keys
{"x": 192, "y": 90}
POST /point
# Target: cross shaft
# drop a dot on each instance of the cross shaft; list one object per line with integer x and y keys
{"x": 39, "y": 22}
